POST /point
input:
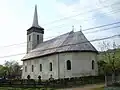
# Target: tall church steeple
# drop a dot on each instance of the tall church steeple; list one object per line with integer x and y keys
{"x": 34, "y": 33}
{"x": 35, "y": 19}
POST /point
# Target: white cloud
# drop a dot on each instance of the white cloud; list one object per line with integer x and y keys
{"x": 80, "y": 8}
{"x": 113, "y": 10}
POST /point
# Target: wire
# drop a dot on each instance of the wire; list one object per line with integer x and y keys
{"x": 101, "y": 26}
{"x": 81, "y": 42}
{"x": 54, "y": 36}
{"x": 13, "y": 55}
{"x": 64, "y": 18}
{"x": 104, "y": 29}
{"x": 92, "y": 18}
{"x": 67, "y": 45}
{"x": 67, "y": 18}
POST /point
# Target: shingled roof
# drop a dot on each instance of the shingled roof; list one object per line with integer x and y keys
{"x": 69, "y": 42}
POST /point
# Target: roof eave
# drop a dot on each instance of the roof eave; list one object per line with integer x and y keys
{"x": 59, "y": 52}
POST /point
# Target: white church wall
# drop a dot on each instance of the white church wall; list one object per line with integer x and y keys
{"x": 29, "y": 44}
{"x": 63, "y": 57}
{"x": 81, "y": 65}
{"x": 33, "y": 40}
{"x": 45, "y": 73}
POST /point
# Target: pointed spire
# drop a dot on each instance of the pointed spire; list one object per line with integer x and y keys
{"x": 35, "y": 19}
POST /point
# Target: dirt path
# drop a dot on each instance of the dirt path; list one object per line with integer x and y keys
{"x": 87, "y": 87}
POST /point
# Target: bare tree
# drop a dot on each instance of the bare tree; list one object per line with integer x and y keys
{"x": 109, "y": 59}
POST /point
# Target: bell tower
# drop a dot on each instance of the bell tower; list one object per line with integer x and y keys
{"x": 34, "y": 33}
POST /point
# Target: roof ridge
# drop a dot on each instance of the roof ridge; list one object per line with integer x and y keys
{"x": 67, "y": 38}
{"x": 88, "y": 41}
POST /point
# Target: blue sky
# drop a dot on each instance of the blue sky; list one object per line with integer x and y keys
{"x": 16, "y": 17}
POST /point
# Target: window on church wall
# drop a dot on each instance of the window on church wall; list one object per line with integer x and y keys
{"x": 40, "y": 67}
{"x": 50, "y": 66}
{"x": 25, "y": 68}
{"x": 93, "y": 64}
{"x": 29, "y": 37}
{"x": 38, "y": 38}
{"x": 32, "y": 68}
{"x": 68, "y": 65}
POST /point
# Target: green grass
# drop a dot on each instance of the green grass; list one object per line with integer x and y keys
{"x": 10, "y": 88}
{"x": 100, "y": 88}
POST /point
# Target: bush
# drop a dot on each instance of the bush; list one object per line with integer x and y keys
{"x": 115, "y": 84}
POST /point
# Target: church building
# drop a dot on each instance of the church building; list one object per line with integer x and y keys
{"x": 65, "y": 56}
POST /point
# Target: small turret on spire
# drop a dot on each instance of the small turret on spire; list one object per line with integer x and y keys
{"x": 80, "y": 28}
{"x": 35, "y": 19}
{"x": 73, "y": 28}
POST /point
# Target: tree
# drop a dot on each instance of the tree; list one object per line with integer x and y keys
{"x": 12, "y": 68}
{"x": 109, "y": 59}
{"x": 3, "y": 70}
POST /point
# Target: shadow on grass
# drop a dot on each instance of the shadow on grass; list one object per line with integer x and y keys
{"x": 100, "y": 88}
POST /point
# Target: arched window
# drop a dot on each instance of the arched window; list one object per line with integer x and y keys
{"x": 50, "y": 66}
{"x": 93, "y": 64}
{"x": 40, "y": 67}
{"x": 32, "y": 68}
{"x": 68, "y": 65}
{"x": 25, "y": 68}
{"x": 37, "y": 38}
{"x": 29, "y": 37}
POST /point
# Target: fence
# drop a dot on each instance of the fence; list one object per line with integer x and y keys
{"x": 58, "y": 83}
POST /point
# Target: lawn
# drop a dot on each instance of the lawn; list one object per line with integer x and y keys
{"x": 100, "y": 88}
{"x": 10, "y": 88}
